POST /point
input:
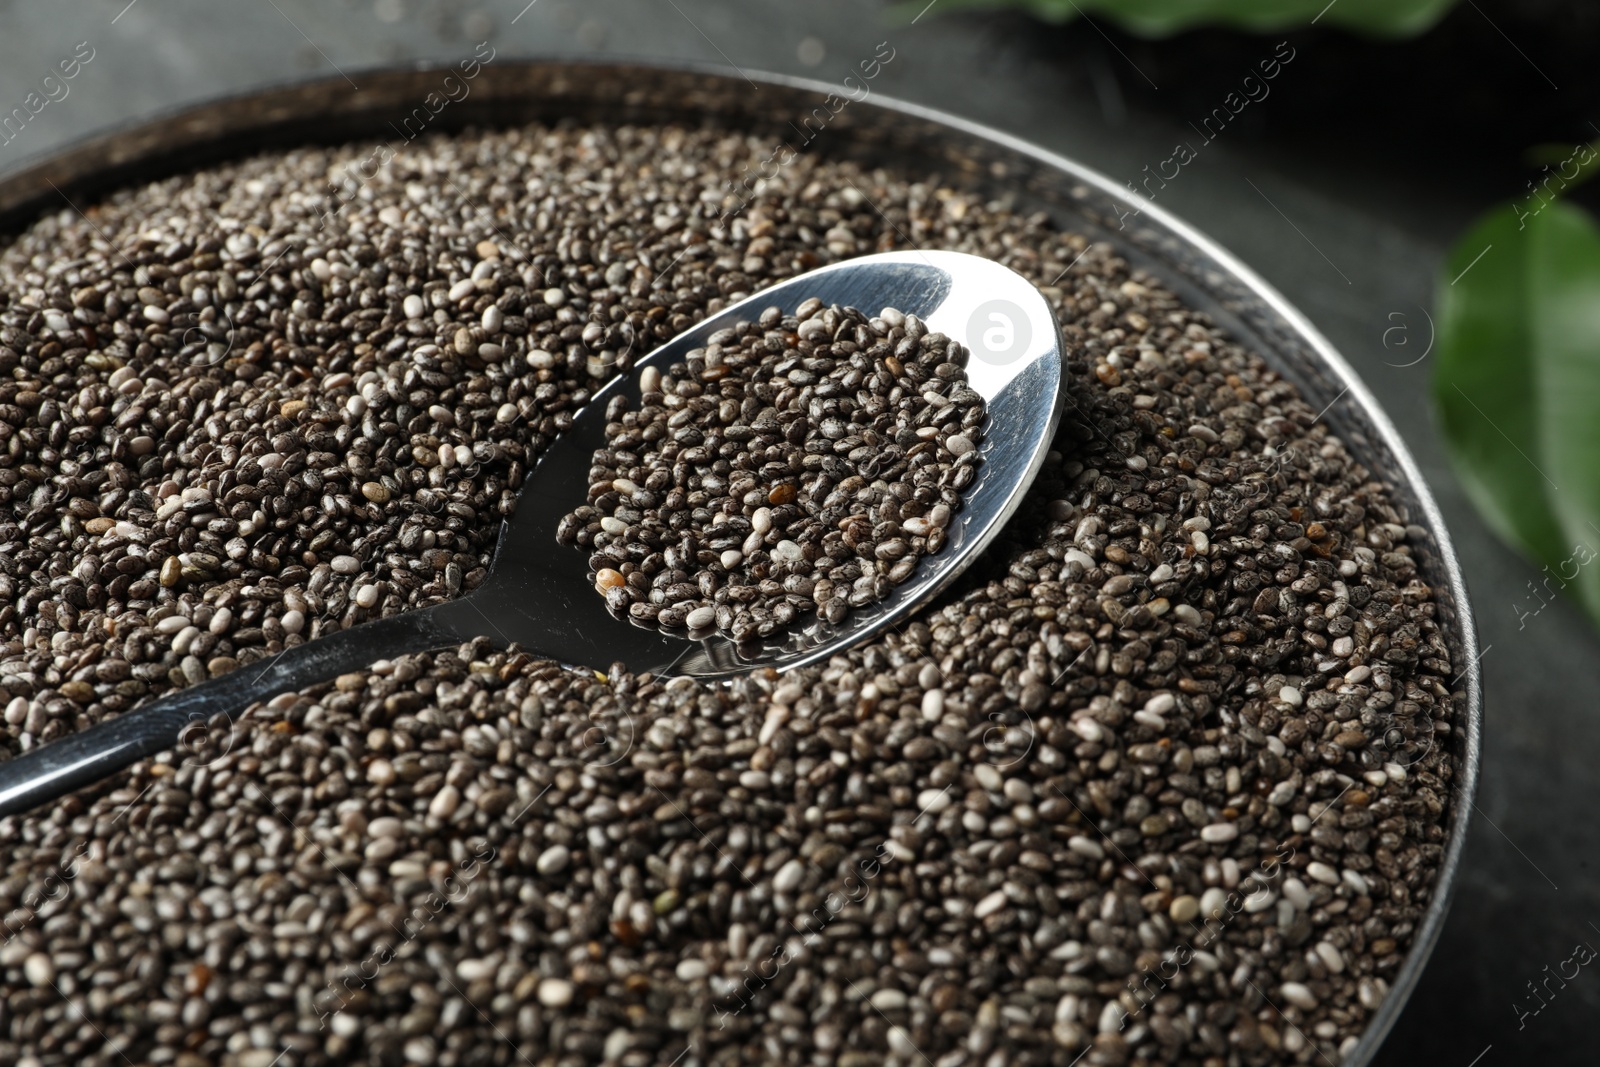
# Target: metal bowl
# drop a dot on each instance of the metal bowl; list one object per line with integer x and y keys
{"x": 909, "y": 139}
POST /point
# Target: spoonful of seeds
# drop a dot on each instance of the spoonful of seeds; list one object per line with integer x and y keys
{"x": 785, "y": 479}
{"x": 762, "y": 481}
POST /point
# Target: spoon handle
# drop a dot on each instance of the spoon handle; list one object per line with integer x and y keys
{"x": 62, "y": 766}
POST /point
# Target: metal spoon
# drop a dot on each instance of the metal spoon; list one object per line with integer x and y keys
{"x": 539, "y": 595}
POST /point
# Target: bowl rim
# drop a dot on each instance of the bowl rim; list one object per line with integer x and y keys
{"x": 37, "y": 167}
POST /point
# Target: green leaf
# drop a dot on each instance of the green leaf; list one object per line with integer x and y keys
{"x": 1517, "y": 384}
{"x": 1159, "y": 18}
{"x": 1554, "y": 159}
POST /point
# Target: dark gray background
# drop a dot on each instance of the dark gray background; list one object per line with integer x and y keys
{"x": 1351, "y": 225}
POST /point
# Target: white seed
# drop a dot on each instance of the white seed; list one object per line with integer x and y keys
{"x": 444, "y": 802}
{"x": 1322, "y": 873}
{"x": 1331, "y": 957}
{"x": 1298, "y": 995}
{"x": 789, "y": 876}
{"x": 472, "y": 970}
{"x": 1067, "y": 950}
{"x": 990, "y": 904}
{"x": 900, "y": 1043}
{"x": 185, "y": 637}
{"x": 1087, "y": 847}
{"x": 38, "y": 969}
{"x": 555, "y": 992}
{"x": 888, "y": 1000}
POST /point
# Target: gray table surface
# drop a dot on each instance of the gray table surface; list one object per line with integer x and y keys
{"x": 1355, "y": 247}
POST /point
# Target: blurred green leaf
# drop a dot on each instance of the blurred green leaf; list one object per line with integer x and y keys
{"x": 1159, "y": 18}
{"x": 1563, "y": 167}
{"x": 1517, "y": 384}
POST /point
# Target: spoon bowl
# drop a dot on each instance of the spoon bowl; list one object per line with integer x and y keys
{"x": 539, "y": 595}
{"x": 1017, "y": 371}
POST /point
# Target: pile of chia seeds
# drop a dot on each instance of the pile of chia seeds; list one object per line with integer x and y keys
{"x": 800, "y": 465}
{"x": 1165, "y": 779}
